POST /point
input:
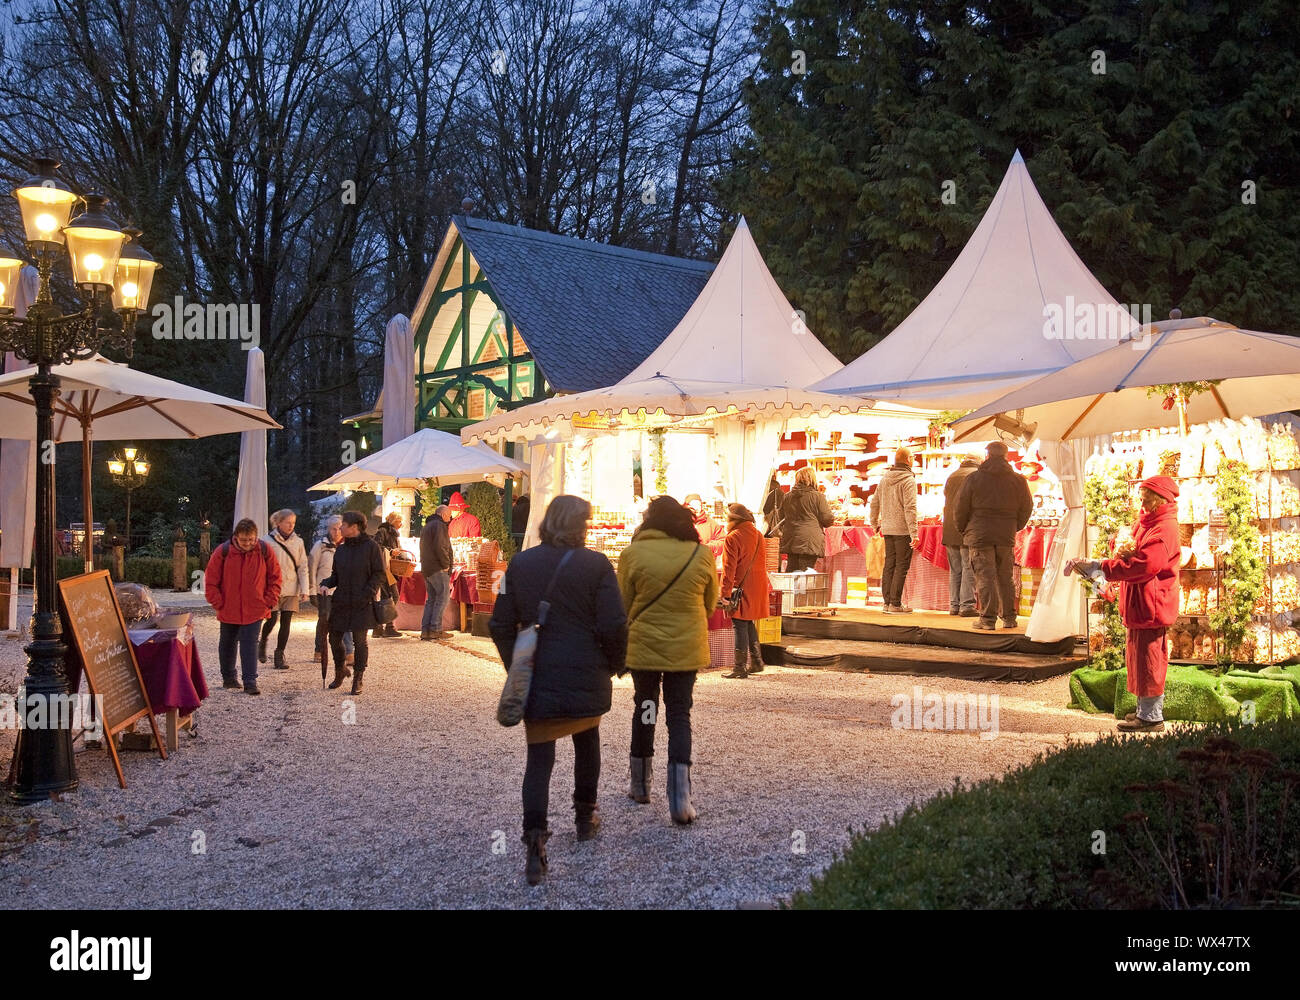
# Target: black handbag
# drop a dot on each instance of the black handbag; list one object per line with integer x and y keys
{"x": 385, "y": 611}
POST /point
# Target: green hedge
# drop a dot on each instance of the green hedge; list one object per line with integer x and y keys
{"x": 1030, "y": 839}
{"x": 151, "y": 571}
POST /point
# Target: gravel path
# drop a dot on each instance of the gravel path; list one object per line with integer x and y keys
{"x": 416, "y": 802}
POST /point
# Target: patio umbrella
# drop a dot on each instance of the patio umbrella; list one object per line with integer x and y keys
{"x": 115, "y": 402}
{"x": 1254, "y": 373}
{"x": 250, "y": 487}
{"x": 426, "y": 454}
{"x": 399, "y": 380}
{"x": 18, "y": 461}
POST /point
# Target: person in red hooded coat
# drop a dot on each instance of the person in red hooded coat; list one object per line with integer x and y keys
{"x": 1147, "y": 573}
{"x": 463, "y": 523}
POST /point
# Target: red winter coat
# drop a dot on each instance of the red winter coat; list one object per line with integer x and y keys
{"x": 242, "y": 587}
{"x": 1148, "y": 592}
{"x": 745, "y": 551}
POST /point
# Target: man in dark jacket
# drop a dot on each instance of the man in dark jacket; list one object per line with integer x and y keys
{"x": 357, "y": 579}
{"x": 961, "y": 578}
{"x": 435, "y": 565}
{"x": 994, "y": 504}
{"x": 388, "y": 536}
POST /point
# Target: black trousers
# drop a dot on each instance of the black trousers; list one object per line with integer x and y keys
{"x": 746, "y": 634}
{"x": 282, "y": 639}
{"x": 795, "y": 563}
{"x": 995, "y": 581}
{"x": 898, "y": 560}
{"x": 360, "y": 651}
{"x": 678, "y": 686}
{"x": 537, "y": 776}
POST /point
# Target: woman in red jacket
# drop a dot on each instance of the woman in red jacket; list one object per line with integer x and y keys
{"x": 744, "y": 565}
{"x": 1148, "y": 595}
{"x": 242, "y": 583}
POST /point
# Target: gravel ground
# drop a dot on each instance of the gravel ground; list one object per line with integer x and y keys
{"x": 415, "y": 803}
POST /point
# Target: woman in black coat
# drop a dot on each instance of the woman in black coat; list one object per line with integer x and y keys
{"x": 581, "y": 645}
{"x": 358, "y": 574}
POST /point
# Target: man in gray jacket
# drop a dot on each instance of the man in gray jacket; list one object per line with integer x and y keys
{"x": 893, "y": 514}
{"x": 995, "y": 503}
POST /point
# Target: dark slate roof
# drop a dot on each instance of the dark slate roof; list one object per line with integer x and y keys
{"x": 589, "y": 312}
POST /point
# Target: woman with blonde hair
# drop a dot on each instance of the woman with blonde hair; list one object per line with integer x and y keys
{"x": 805, "y": 515}
{"x": 292, "y": 554}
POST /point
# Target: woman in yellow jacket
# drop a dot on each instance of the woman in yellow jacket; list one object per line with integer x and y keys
{"x": 670, "y": 588}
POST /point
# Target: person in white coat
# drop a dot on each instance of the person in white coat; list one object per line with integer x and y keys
{"x": 321, "y": 565}
{"x": 893, "y": 514}
{"x": 292, "y": 553}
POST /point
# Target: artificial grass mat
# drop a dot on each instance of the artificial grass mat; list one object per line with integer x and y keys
{"x": 1196, "y": 694}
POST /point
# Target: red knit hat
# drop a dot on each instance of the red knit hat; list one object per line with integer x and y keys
{"x": 457, "y": 502}
{"x": 1162, "y": 486}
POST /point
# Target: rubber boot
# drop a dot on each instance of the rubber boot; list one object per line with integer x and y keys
{"x": 535, "y": 866}
{"x": 587, "y": 817}
{"x": 356, "y": 682}
{"x": 679, "y": 793}
{"x": 738, "y": 672}
{"x": 639, "y": 789}
{"x": 755, "y": 659}
{"x": 341, "y": 673}
{"x": 280, "y": 662}
{"x": 261, "y": 650}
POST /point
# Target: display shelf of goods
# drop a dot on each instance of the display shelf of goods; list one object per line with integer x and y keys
{"x": 464, "y": 552}
{"x": 1285, "y": 644}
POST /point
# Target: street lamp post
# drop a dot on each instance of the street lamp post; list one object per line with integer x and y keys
{"x": 46, "y": 338}
{"x": 129, "y": 472}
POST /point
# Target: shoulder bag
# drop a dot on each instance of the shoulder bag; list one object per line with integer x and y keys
{"x": 385, "y": 608}
{"x": 690, "y": 559}
{"x": 732, "y": 600}
{"x": 519, "y": 678}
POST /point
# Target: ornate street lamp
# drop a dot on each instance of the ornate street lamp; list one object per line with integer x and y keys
{"x": 129, "y": 472}
{"x": 46, "y": 338}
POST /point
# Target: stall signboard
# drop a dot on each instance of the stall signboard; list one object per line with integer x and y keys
{"x": 98, "y": 633}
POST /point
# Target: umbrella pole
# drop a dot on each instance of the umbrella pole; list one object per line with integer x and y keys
{"x": 87, "y": 505}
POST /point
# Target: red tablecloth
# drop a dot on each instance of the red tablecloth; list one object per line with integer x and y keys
{"x": 843, "y": 536}
{"x": 929, "y": 544}
{"x": 172, "y": 672}
{"x": 464, "y": 588}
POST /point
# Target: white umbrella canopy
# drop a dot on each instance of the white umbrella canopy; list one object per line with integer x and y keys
{"x": 426, "y": 454}
{"x": 1107, "y": 392}
{"x": 250, "y": 487}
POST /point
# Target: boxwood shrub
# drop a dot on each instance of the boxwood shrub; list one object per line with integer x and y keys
{"x": 1199, "y": 817}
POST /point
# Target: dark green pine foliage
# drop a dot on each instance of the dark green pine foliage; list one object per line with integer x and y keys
{"x": 1142, "y": 160}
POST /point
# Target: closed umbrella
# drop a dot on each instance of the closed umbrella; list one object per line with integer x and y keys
{"x": 1107, "y": 392}
{"x": 250, "y": 488}
{"x": 115, "y": 402}
{"x": 399, "y": 380}
{"x": 17, "y": 472}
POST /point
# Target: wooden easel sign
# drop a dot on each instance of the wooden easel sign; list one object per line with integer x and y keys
{"x": 99, "y": 632}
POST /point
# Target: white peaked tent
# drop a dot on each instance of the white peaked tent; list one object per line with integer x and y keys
{"x": 1017, "y": 304}
{"x": 740, "y": 348}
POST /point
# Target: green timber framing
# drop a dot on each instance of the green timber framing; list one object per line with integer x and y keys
{"x": 496, "y": 370}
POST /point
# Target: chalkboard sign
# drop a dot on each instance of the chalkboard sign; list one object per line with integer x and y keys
{"x": 99, "y": 633}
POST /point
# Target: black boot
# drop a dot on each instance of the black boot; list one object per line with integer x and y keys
{"x": 755, "y": 659}
{"x": 535, "y": 866}
{"x": 738, "y": 672}
{"x": 639, "y": 789}
{"x": 356, "y": 682}
{"x": 587, "y": 817}
{"x": 280, "y": 662}
{"x": 341, "y": 673}
{"x": 261, "y": 649}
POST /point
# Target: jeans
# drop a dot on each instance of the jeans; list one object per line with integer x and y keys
{"x": 537, "y": 775}
{"x": 359, "y": 648}
{"x": 437, "y": 589}
{"x": 677, "y": 685}
{"x": 898, "y": 560}
{"x": 961, "y": 579}
{"x": 795, "y": 563}
{"x": 282, "y": 639}
{"x": 243, "y": 637}
{"x": 323, "y": 627}
{"x": 746, "y": 635}
{"x": 994, "y": 583}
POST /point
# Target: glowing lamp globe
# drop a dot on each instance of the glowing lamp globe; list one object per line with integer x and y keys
{"x": 46, "y": 204}
{"x": 94, "y": 245}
